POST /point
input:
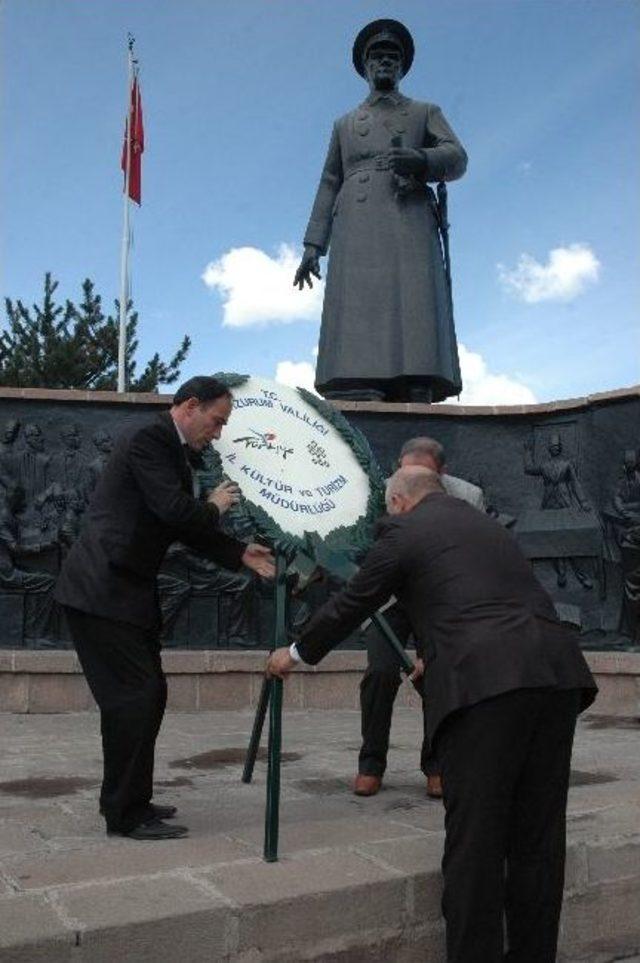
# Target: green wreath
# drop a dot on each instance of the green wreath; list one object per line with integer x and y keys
{"x": 353, "y": 540}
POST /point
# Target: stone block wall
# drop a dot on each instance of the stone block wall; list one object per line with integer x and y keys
{"x": 209, "y": 679}
{"x": 54, "y": 443}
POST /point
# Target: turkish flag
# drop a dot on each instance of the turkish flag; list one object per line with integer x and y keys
{"x": 136, "y": 145}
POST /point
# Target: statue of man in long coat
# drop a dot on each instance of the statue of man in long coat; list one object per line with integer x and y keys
{"x": 387, "y": 326}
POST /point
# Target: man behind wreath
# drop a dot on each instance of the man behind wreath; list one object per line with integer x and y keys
{"x": 387, "y": 324}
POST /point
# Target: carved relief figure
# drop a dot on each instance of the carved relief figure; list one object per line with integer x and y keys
{"x": 8, "y": 453}
{"x": 230, "y": 591}
{"x": 626, "y": 499}
{"x": 235, "y": 590}
{"x": 34, "y": 477}
{"x": 36, "y": 586}
{"x": 70, "y": 505}
{"x": 561, "y": 489}
{"x": 68, "y": 465}
{"x": 626, "y": 503}
{"x": 34, "y": 472}
{"x": 103, "y": 443}
{"x": 173, "y": 594}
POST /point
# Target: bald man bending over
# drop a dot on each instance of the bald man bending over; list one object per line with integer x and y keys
{"x": 504, "y": 682}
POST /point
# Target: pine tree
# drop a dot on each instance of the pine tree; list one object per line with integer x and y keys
{"x": 55, "y": 346}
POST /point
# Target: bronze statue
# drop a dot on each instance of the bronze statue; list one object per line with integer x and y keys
{"x": 387, "y": 321}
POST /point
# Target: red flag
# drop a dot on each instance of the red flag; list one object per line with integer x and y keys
{"x": 136, "y": 142}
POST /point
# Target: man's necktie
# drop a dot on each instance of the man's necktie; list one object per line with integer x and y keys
{"x": 195, "y": 462}
{"x": 195, "y": 459}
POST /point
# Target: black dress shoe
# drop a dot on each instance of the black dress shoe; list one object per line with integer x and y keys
{"x": 150, "y": 830}
{"x": 156, "y": 812}
{"x": 163, "y": 812}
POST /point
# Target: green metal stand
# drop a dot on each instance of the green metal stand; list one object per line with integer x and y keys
{"x": 272, "y": 814}
{"x": 256, "y": 732}
{"x": 271, "y": 699}
{"x": 381, "y": 623}
{"x": 406, "y": 664}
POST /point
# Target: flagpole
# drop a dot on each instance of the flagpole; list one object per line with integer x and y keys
{"x": 124, "y": 254}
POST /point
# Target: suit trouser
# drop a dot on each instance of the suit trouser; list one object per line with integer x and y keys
{"x": 505, "y": 769}
{"x": 122, "y": 666}
{"x": 378, "y": 690}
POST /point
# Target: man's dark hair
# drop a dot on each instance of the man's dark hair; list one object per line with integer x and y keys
{"x": 202, "y": 387}
{"x": 424, "y": 446}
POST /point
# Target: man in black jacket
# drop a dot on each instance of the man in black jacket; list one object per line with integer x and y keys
{"x": 142, "y": 503}
{"x": 381, "y": 681}
{"x": 504, "y": 681}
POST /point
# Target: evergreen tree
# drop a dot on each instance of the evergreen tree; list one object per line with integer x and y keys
{"x": 55, "y": 346}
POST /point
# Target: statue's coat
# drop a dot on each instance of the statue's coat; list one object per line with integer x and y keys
{"x": 386, "y": 320}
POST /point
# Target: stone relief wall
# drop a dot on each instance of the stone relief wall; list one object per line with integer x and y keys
{"x": 564, "y": 479}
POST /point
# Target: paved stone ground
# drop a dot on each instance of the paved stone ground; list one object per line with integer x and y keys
{"x": 357, "y": 881}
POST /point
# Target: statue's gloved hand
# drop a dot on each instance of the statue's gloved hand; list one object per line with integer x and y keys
{"x": 310, "y": 264}
{"x": 407, "y": 160}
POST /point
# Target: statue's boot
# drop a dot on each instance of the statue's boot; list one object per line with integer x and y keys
{"x": 421, "y": 396}
{"x": 355, "y": 394}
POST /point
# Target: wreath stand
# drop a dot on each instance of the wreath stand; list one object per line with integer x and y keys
{"x": 271, "y": 698}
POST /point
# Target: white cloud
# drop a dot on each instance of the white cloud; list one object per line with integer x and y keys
{"x": 481, "y": 387}
{"x": 298, "y": 374}
{"x": 568, "y": 271}
{"x": 258, "y": 289}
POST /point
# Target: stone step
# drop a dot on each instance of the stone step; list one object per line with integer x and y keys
{"x": 362, "y": 903}
{"x": 357, "y": 880}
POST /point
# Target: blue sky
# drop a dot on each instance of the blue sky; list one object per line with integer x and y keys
{"x": 238, "y": 102}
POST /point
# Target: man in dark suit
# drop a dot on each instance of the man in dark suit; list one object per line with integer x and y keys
{"x": 142, "y": 503}
{"x": 504, "y": 681}
{"x": 381, "y": 681}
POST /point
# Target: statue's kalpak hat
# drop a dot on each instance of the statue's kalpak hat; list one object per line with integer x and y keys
{"x": 381, "y": 31}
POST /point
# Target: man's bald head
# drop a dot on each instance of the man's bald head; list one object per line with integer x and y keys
{"x": 408, "y": 486}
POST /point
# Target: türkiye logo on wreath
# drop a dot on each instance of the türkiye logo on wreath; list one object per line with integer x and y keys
{"x": 297, "y": 459}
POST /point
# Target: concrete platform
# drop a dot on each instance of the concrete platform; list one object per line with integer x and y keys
{"x": 50, "y": 680}
{"x": 358, "y": 879}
